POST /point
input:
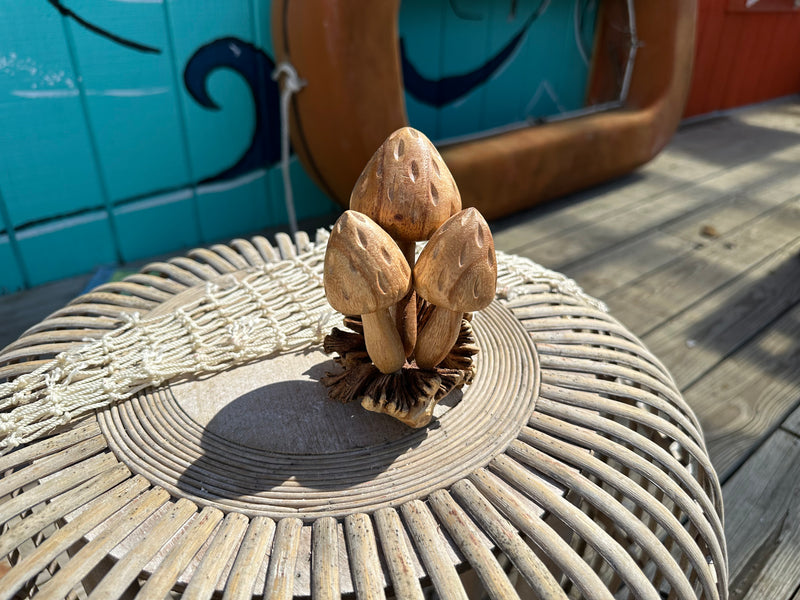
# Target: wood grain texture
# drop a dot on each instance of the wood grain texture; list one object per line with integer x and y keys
{"x": 762, "y": 521}
{"x": 433, "y": 550}
{"x": 114, "y": 531}
{"x": 191, "y": 538}
{"x": 94, "y": 514}
{"x": 249, "y": 565}
{"x": 746, "y": 396}
{"x": 792, "y": 422}
{"x": 281, "y": 571}
{"x": 116, "y": 581}
{"x": 365, "y": 566}
{"x": 695, "y": 340}
{"x": 325, "y": 559}
{"x": 218, "y": 558}
{"x": 472, "y": 544}
{"x": 398, "y": 550}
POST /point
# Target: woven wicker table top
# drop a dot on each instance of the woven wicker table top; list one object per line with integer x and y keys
{"x": 570, "y": 467}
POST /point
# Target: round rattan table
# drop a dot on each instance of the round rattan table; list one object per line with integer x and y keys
{"x": 570, "y": 467}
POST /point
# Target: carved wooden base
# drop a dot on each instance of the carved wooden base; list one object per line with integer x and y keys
{"x": 408, "y": 395}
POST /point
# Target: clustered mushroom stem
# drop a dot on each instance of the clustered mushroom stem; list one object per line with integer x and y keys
{"x": 409, "y": 251}
{"x": 437, "y": 337}
{"x": 384, "y": 345}
{"x": 406, "y": 309}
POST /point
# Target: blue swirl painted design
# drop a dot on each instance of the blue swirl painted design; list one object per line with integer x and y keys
{"x": 254, "y": 66}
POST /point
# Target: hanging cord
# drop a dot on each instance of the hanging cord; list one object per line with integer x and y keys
{"x": 291, "y": 85}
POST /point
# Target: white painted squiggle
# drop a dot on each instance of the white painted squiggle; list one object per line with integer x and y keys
{"x": 72, "y": 92}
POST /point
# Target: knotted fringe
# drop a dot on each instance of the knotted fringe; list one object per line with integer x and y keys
{"x": 263, "y": 311}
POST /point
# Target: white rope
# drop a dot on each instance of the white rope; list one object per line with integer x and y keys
{"x": 264, "y": 311}
{"x": 291, "y": 85}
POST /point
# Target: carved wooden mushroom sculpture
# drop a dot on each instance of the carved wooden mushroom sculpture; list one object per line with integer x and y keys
{"x": 407, "y": 189}
{"x": 365, "y": 273}
{"x": 457, "y": 273}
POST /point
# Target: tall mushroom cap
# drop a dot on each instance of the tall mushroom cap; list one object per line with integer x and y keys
{"x": 458, "y": 267}
{"x": 406, "y": 187}
{"x": 364, "y": 269}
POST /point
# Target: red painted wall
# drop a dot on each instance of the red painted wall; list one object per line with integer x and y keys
{"x": 744, "y": 55}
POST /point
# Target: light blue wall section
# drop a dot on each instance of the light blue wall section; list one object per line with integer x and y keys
{"x": 156, "y": 225}
{"x": 467, "y": 32}
{"x": 216, "y": 137}
{"x": 544, "y": 76}
{"x": 46, "y": 163}
{"x": 11, "y": 278}
{"x": 66, "y": 247}
{"x": 155, "y": 128}
{"x": 130, "y": 96}
{"x": 420, "y": 23}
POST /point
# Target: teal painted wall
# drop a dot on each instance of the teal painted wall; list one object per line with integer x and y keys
{"x": 130, "y": 128}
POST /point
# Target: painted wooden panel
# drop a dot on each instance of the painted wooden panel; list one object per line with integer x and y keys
{"x": 11, "y": 278}
{"x": 131, "y": 97}
{"x": 464, "y": 41}
{"x": 744, "y": 55}
{"x": 10, "y": 275}
{"x": 751, "y": 6}
{"x": 230, "y": 104}
{"x": 47, "y": 166}
{"x": 420, "y": 23}
{"x": 67, "y": 247}
{"x": 156, "y": 225}
{"x": 525, "y": 60}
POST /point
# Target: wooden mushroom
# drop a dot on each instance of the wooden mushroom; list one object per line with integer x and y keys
{"x": 457, "y": 273}
{"x": 365, "y": 273}
{"x": 407, "y": 189}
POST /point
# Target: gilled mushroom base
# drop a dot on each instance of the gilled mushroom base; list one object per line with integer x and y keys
{"x": 409, "y": 395}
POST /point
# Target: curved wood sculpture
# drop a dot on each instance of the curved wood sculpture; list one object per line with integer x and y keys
{"x": 349, "y": 55}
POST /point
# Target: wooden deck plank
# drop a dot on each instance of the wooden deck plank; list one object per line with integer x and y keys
{"x": 762, "y": 524}
{"x": 596, "y": 235}
{"x": 24, "y": 309}
{"x": 607, "y": 271}
{"x": 792, "y": 423}
{"x": 664, "y": 293}
{"x": 728, "y": 214}
{"x": 550, "y": 220}
{"x": 694, "y": 341}
{"x": 745, "y": 397}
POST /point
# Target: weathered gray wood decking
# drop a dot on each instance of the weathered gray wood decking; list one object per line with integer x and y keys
{"x": 699, "y": 254}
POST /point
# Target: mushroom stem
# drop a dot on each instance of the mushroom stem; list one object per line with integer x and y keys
{"x": 437, "y": 337}
{"x": 384, "y": 345}
{"x": 406, "y": 309}
{"x": 409, "y": 251}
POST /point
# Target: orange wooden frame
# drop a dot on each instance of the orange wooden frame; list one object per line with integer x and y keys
{"x": 348, "y": 53}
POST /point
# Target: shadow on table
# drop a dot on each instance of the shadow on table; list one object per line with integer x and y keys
{"x": 287, "y": 436}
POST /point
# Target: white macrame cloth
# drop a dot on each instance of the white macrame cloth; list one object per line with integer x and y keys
{"x": 279, "y": 307}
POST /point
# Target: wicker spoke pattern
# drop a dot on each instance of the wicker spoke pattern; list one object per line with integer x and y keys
{"x": 592, "y": 479}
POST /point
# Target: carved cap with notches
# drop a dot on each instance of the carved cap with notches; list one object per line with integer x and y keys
{"x": 457, "y": 269}
{"x": 406, "y": 187}
{"x": 364, "y": 270}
